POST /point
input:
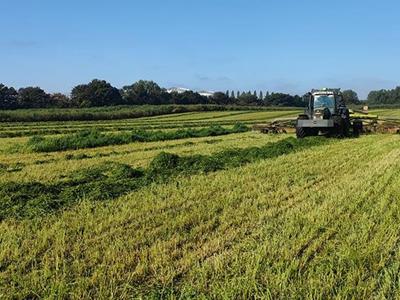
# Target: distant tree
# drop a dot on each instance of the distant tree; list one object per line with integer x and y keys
{"x": 237, "y": 94}
{"x": 261, "y": 97}
{"x": 350, "y": 97}
{"x": 188, "y": 97}
{"x": 8, "y": 97}
{"x": 60, "y": 100}
{"x": 144, "y": 92}
{"x": 384, "y": 97}
{"x": 33, "y": 97}
{"x": 96, "y": 93}
{"x": 280, "y": 99}
{"x": 247, "y": 99}
{"x": 255, "y": 93}
{"x": 266, "y": 100}
{"x": 227, "y": 93}
{"x": 232, "y": 94}
{"x": 220, "y": 98}
{"x": 380, "y": 97}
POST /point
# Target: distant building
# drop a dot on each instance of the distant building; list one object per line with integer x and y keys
{"x": 178, "y": 90}
{"x": 206, "y": 93}
{"x": 181, "y": 90}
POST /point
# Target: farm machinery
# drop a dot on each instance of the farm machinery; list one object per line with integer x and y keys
{"x": 327, "y": 114}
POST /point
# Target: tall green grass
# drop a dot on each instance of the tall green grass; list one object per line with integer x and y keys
{"x": 94, "y": 138}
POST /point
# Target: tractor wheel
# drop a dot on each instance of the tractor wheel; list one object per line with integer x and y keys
{"x": 357, "y": 128}
{"x": 301, "y": 132}
{"x": 341, "y": 128}
{"x": 346, "y": 128}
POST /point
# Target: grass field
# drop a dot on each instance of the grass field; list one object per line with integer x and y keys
{"x": 236, "y": 216}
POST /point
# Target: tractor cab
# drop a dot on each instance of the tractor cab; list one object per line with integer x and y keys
{"x": 322, "y": 104}
{"x": 326, "y": 113}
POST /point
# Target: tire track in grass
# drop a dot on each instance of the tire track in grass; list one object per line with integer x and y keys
{"x": 387, "y": 288}
{"x": 329, "y": 177}
{"x": 330, "y": 234}
{"x": 321, "y": 208}
{"x": 367, "y": 193}
{"x": 321, "y": 240}
{"x": 225, "y": 249}
{"x": 201, "y": 257}
{"x": 388, "y": 220}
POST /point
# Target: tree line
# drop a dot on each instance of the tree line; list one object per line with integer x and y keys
{"x": 384, "y": 97}
{"x": 101, "y": 93}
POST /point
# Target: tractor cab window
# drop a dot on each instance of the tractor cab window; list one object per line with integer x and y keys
{"x": 322, "y": 101}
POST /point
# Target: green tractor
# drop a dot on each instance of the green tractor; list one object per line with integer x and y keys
{"x": 326, "y": 114}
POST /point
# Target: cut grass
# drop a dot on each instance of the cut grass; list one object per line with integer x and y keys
{"x": 311, "y": 224}
{"x": 110, "y": 180}
{"x": 93, "y": 138}
{"x": 171, "y": 121}
{"x": 315, "y": 223}
{"x": 115, "y": 112}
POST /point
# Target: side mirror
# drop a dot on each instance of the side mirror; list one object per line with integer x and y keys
{"x": 307, "y": 99}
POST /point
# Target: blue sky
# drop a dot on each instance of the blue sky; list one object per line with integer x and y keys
{"x": 286, "y": 45}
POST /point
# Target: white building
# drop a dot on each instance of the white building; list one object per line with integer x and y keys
{"x": 178, "y": 90}
{"x": 206, "y": 93}
{"x": 181, "y": 90}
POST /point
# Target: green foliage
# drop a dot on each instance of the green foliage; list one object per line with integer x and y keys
{"x": 248, "y": 99}
{"x": 32, "y": 97}
{"x": 221, "y": 98}
{"x": 384, "y": 97}
{"x": 94, "y": 138}
{"x": 110, "y": 180}
{"x": 280, "y": 99}
{"x": 99, "y": 93}
{"x": 96, "y": 93}
{"x": 60, "y": 100}
{"x": 8, "y": 97}
{"x": 350, "y": 97}
{"x": 143, "y": 92}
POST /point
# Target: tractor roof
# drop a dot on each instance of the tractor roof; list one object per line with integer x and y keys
{"x": 325, "y": 91}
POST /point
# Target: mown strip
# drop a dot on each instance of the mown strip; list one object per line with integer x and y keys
{"x": 111, "y": 180}
{"x": 94, "y": 138}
